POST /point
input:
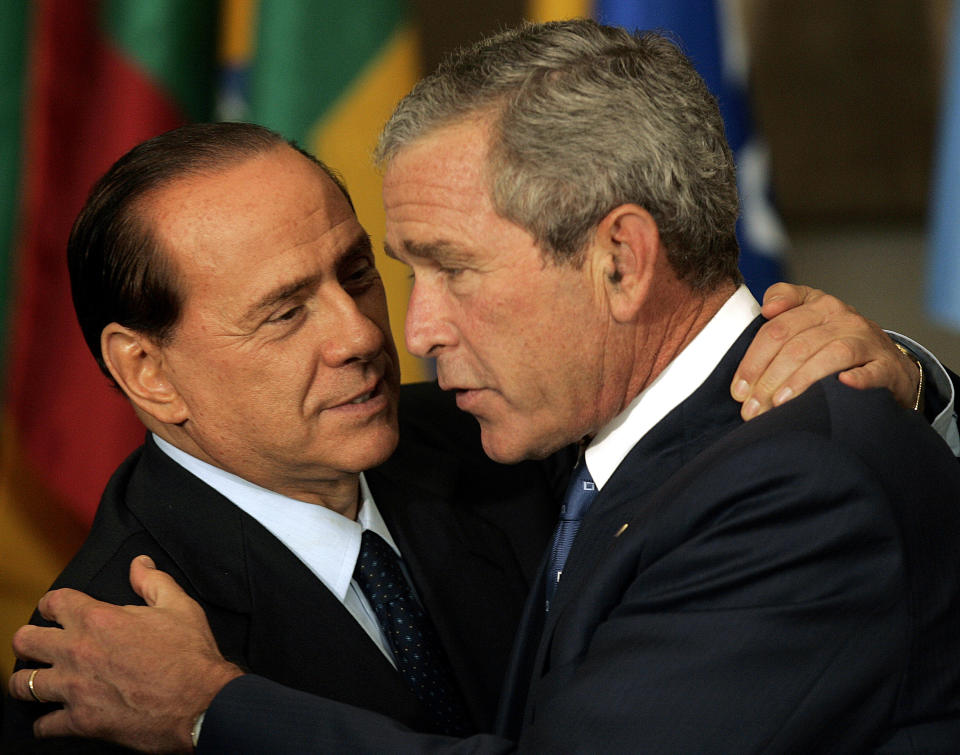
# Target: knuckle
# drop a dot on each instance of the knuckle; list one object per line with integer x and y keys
{"x": 16, "y": 685}
{"x": 82, "y": 654}
{"x": 81, "y": 722}
{"x": 797, "y": 349}
{"x": 843, "y": 351}
{"x": 99, "y": 616}
{"x": 831, "y": 304}
{"x": 19, "y": 640}
{"x": 53, "y": 600}
{"x": 774, "y": 330}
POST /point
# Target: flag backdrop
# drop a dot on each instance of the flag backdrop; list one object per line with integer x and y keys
{"x": 82, "y": 82}
{"x": 97, "y": 78}
{"x": 328, "y": 74}
{"x": 709, "y": 32}
{"x": 943, "y": 280}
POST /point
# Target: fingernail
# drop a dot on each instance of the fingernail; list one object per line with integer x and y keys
{"x": 781, "y": 396}
{"x": 750, "y": 409}
{"x": 741, "y": 389}
{"x": 148, "y": 562}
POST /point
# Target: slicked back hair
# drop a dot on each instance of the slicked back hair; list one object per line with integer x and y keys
{"x": 118, "y": 270}
{"x": 585, "y": 118}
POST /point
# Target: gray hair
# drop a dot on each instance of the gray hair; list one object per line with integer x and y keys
{"x": 586, "y": 118}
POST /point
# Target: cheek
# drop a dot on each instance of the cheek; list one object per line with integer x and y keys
{"x": 503, "y": 328}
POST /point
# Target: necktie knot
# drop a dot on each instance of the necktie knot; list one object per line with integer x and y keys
{"x": 378, "y": 571}
{"x": 580, "y": 494}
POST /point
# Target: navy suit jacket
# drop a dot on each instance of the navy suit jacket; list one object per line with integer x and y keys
{"x": 786, "y": 585}
{"x": 471, "y": 533}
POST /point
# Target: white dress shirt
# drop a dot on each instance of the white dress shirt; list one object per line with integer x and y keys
{"x": 326, "y": 542}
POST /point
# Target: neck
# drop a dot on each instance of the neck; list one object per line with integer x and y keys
{"x": 671, "y": 320}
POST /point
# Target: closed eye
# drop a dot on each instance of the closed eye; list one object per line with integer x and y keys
{"x": 287, "y": 314}
{"x": 360, "y": 277}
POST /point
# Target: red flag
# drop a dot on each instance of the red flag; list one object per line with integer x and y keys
{"x": 90, "y": 99}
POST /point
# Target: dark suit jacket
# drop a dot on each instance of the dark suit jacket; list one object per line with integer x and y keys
{"x": 790, "y": 584}
{"x": 471, "y": 533}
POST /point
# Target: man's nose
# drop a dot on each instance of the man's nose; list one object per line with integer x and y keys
{"x": 351, "y": 335}
{"x": 428, "y": 327}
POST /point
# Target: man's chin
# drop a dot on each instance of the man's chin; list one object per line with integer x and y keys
{"x": 375, "y": 451}
{"x": 501, "y": 448}
{"x": 506, "y": 445}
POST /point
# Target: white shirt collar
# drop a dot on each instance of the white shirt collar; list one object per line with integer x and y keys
{"x": 687, "y": 372}
{"x": 326, "y": 542}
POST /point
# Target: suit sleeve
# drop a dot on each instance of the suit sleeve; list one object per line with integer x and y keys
{"x": 255, "y": 715}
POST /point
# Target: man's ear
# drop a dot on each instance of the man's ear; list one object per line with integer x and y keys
{"x": 137, "y": 365}
{"x": 628, "y": 242}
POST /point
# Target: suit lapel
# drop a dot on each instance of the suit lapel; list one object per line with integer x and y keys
{"x": 305, "y": 634}
{"x": 517, "y": 681}
{"x": 196, "y": 526}
{"x": 269, "y": 613}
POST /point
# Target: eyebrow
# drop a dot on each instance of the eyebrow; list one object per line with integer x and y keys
{"x": 433, "y": 250}
{"x": 360, "y": 247}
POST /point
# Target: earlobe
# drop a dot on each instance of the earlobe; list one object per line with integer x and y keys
{"x": 136, "y": 363}
{"x": 631, "y": 243}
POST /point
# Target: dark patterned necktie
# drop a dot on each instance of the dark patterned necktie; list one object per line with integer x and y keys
{"x": 413, "y": 640}
{"x": 580, "y": 494}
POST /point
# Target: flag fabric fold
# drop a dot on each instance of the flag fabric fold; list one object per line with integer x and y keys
{"x": 95, "y": 81}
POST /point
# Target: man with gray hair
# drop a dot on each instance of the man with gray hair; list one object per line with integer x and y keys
{"x": 566, "y": 200}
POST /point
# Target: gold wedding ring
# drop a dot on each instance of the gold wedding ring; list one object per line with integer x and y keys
{"x": 33, "y": 692}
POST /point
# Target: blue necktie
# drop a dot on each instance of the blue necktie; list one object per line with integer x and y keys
{"x": 580, "y": 494}
{"x": 412, "y": 637}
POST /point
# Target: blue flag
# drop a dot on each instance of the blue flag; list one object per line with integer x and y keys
{"x": 711, "y": 39}
{"x": 943, "y": 283}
